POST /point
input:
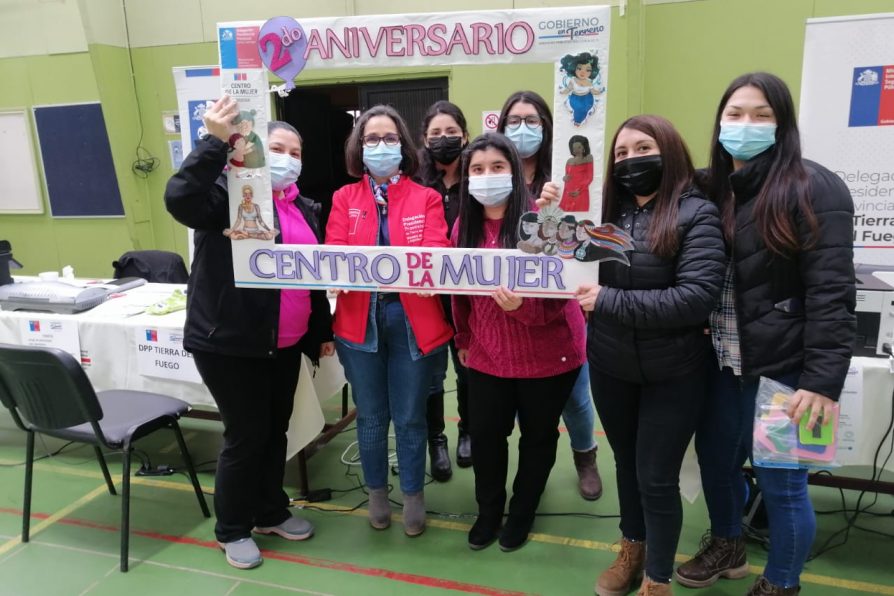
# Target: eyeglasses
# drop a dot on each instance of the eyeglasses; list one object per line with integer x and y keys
{"x": 391, "y": 139}
{"x": 515, "y": 121}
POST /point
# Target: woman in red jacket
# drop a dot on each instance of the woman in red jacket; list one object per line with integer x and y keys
{"x": 523, "y": 354}
{"x": 390, "y": 344}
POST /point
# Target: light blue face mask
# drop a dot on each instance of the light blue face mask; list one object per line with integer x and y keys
{"x": 527, "y": 140}
{"x": 744, "y": 141}
{"x": 284, "y": 170}
{"x": 382, "y": 160}
{"x": 491, "y": 190}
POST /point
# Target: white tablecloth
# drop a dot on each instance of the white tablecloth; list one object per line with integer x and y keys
{"x": 109, "y": 356}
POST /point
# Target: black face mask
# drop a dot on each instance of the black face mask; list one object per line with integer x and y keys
{"x": 640, "y": 175}
{"x": 445, "y": 150}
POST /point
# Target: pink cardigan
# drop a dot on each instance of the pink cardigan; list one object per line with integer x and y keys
{"x": 544, "y": 337}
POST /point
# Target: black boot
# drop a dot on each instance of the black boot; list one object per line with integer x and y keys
{"x": 515, "y": 532}
{"x": 484, "y": 531}
{"x": 440, "y": 458}
{"x": 464, "y": 449}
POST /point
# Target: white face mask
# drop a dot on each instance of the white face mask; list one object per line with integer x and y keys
{"x": 284, "y": 170}
{"x": 491, "y": 190}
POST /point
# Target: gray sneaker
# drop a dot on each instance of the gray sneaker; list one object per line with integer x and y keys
{"x": 242, "y": 553}
{"x": 293, "y": 528}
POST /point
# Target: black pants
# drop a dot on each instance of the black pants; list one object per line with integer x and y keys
{"x": 649, "y": 427}
{"x": 255, "y": 398}
{"x": 434, "y": 414}
{"x": 494, "y": 403}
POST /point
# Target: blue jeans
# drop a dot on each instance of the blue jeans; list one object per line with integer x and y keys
{"x": 388, "y": 384}
{"x": 723, "y": 443}
{"x": 579, "y": 414}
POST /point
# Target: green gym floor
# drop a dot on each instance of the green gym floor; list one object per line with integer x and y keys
{"x": 74, "y": 540}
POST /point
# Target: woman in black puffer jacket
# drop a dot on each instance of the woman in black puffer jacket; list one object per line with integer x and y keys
{"x": 786, "y": 312}
{"x": 646, "y": 345}
{"x": 246, "y": 342}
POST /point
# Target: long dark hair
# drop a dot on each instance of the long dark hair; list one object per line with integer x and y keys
{"x": 544, "y": 155}
{"x": 354, "y": 144}
{"x": 676, "y": 178}
{"x": 786, "y": 176}
{"x": 428, "y": 174}
{"x": 471, "y": 212}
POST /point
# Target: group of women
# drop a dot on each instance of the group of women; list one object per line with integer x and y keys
{"x": 741, "y": 270}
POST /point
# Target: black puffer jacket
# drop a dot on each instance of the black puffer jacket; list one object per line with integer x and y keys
{"x": 796, "y": 313}
{"x": 220, "y": 317}
{"x": 649, "y": 320}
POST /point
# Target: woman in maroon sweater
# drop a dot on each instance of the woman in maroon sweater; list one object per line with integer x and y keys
{"x": 523, "y": 354}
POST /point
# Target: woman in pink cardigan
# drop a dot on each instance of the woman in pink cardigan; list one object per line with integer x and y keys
{"x": 523, "y": 354}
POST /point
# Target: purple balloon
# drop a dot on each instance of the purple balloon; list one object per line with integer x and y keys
{"x": 281, "y": 43}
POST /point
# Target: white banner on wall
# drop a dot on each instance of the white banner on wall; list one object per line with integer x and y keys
{"x": 847, "y": 120}
{"x": 574, "y": 40}
{"x": 196, "y": 86}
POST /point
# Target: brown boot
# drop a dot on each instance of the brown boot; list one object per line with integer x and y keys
{"x": 716, "y": 558}
{"x": 763, "y": 587}
{"x": 625, "y": 572}
{"x": 589, "y": 483}
{"x": 653, "y": 588}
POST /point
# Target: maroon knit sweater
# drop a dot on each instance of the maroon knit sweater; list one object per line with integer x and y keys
{"x": 544, "y": 337}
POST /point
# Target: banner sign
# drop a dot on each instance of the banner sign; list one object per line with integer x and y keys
{"x": 416, "y": 269}
{"x": 422, "y": 39}
{"x": 197, "y": 87}
{"x": 574, "y": 40}
{"x": 847, "y": 120}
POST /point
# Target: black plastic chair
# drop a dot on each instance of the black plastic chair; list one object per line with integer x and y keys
{"x": 47, "y": 391}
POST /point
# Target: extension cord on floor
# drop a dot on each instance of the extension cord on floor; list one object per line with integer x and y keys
{"x": 161, "y": 470}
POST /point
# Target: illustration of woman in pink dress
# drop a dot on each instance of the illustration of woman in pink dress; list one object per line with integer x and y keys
{"x": 578, "y": 176}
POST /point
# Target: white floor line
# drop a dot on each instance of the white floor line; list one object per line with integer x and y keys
{"x": 133, "y": 560}
{"x": 96, "y": 583}
{"x": 233, "y": 589}
{"x": 90, "y": 587}
{"x": 11, "y": 554}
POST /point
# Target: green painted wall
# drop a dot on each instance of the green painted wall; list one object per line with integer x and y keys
{"x": 694, "y": 49}
{"x": 673, "y": 59}
{"x": 42, "y": 242}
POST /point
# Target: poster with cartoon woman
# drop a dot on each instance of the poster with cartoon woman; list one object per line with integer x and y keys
{"x": 249, "y": 223}
{"x": 581, "y": 83}
{"x": 579, "y": 104}
{"x": 578, "y": 176}
{"x": 246, "y": 148}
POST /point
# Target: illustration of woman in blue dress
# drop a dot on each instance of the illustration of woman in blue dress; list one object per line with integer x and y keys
{"x": 581, "y": 83}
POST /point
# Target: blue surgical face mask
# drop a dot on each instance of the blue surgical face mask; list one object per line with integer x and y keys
{"x": 382, "y": 160}
{"x": 284, "y": 170}
{"x": 491, "y": 190}
{"x": 527, "y": 140}
{"x": 744, "y": 141}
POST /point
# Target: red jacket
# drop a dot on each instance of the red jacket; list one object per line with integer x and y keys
{"x": 354, "y": 221}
